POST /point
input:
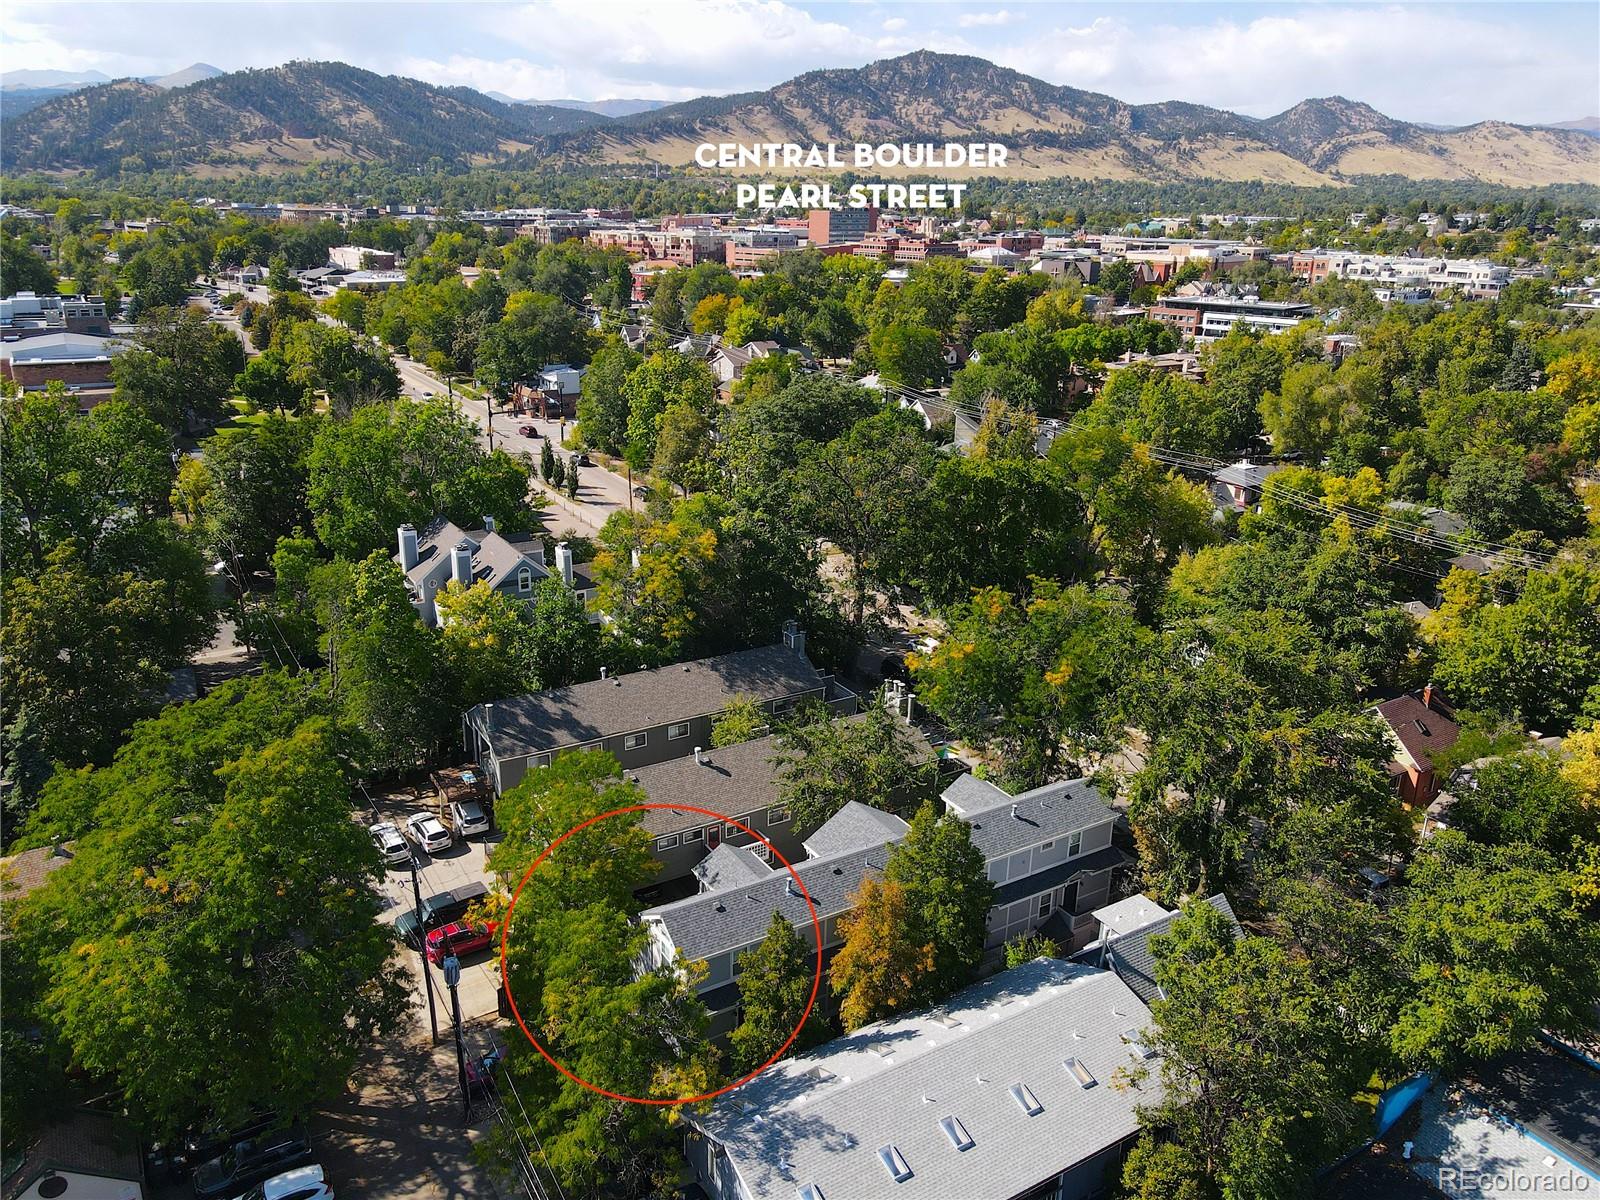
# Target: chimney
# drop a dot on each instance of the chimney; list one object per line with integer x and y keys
{"x": 794, "y": 637}
{"x": 408, "y": 547}
{"x": 1427, "y": 695}
{"x": 911, "y": 704}
{"x": 488, "y": 523}
{"x": 461, "y": 563}
{"x": 564, "y": 562}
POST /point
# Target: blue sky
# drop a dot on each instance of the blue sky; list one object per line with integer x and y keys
{"x": 1445, "y": 63}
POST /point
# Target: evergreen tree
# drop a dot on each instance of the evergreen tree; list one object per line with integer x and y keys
{"x": 947, "y": 886}
{"x": 774, "y": 984}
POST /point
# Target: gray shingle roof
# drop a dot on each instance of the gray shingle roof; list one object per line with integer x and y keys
{"x": 587, "y": 712}
{"x": 1130, "y": 956}
{"x": 736, "y": 780}
{"x": 730, "y": 866}
{"x": 714, "y": 922}
{"x": 854, "y": 827}
{"x": 494, "y": 557}
{"x": 1043, "y": 813}
{"x": 820, "y": 1118}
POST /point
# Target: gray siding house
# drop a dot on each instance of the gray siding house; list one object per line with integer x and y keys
{"x": 1008, "y": 1090}
{"x": 1048, "y": 851}
{"x": 645, "y": 717}
{"x": 442, "y": 553}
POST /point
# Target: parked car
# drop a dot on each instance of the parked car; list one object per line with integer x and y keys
{"x": 302, "y": 1183}
{"x": 251, "y": 1161}
{"x": 480, "y": 1073}
{"x": 585, "y": 461}
{"x": 460, "y": 939}
{"x": 528, "y": 431}
{"x": 428, "y": 832}
{"x": 642, "y": 492}
{"x": 467, "y": 818}
{"x": 176, "y": 1159}
{"x": 391, "y": 844}
{"x": 438, "y": 909}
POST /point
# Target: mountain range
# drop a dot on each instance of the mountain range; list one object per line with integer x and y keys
{"x": 306, "y": 112}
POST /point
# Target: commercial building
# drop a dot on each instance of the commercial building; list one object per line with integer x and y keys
{"x": 830, "y": 226}
{"x": 82, "y": 361}
{"x": 1207, "y": 318}
{"x": 361, "y": 258}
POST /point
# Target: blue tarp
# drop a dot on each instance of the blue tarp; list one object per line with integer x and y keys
{"x": 1393, "y": 1103}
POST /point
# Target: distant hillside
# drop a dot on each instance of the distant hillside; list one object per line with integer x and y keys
{"x": 193, "y": 73}
{"x": 30, "y": 79}
{"x": 1588, "y": 125}
{"x": 608, "y": 108}
{"x": 314, "y": 112}
{"x": 1054, "y": 130}
{"x": 285, "y": 116}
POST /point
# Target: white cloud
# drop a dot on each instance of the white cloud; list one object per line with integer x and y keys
{"x": 895, "y": 24}
{"x": 978, "y": 19}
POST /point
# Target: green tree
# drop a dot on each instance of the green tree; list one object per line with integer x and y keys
{"x": 268, "y": 385}
{"x": 743, "y": 720}
{"x": 823, "y": 765}
{"x": 910, "y": 355}
{"x": 564, "y": 645}
{"x": 663, "y": 379}
{"x": 1029, "y": 681}
{"x": 486, "y": 644}
{"x": 219, "y": 889}
{"x": 260, "y": 476}
{"x": 774, "y": 983}
{"x": 1496, "y": 947}
{"x": 1257, "y": 1079}
{"x": 1524, "y": 799}
{"x": 26, "y": 269}
{"x": 948, "y": 889}
{"x": 880, "y": 969}
{"x": 348, "y": 369}
{"x": 180, "y": 370}
{"x": 683, "y": 446}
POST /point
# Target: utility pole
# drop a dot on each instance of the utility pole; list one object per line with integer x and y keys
{"x": 452, "y": 978}
{"x": 422, "y": 948}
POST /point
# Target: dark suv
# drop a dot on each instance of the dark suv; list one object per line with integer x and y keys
{"x": 439, "y": 909}
{"x": 252, "y": 1160}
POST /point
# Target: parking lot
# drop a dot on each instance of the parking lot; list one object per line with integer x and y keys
{"x": 462, "y": 863}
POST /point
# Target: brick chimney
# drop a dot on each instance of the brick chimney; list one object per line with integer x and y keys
{"x": 1427, "y": 695}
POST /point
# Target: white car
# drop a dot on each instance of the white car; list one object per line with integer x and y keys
{"x": 390, "y": 842}
{"x": 468, "y": 818}
{"x": 302, "y": 1183}
{"x": 428, "y": 832}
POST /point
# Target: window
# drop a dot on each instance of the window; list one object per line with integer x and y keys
{"x": 693, "y": 835}
{"x": 1026, "y": 1100}
{"x": 779, "y": 706}
{"x": 1081, "y": 1073}
{"x": 1074, "y": 845}
{"x": 635, "y": 741}
{"x": 1044, "y": 906}
{"x": 731, "y": 831}
{"x": 777, "y": 815}
{"x": 680, "y": 730}
{"x": 524, "y": 579}
{"x": 668, "y": 842}
{"x": 895, "y": 1163}
{"x": 957, "y": 1133}
{"x": 1048, "y": 846}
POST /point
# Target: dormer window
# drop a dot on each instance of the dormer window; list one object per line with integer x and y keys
{"x": 524, "y": 579}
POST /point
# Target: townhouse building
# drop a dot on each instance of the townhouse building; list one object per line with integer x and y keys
{"x": 441, "y": 553}
{"x": 1047, "y": 851}
{"x": 647, "y": 716}
{"x": 1009, "y": 1089}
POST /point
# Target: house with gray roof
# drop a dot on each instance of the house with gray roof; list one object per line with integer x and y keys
{"x": 442, "y": 553}
{"x": 1013, "y": 1087}
{"x": 646, "y": 716}
{"x": 740, "y": 781}
{"x": 1047, "y": 850}
{"x": 1123, "y": 946}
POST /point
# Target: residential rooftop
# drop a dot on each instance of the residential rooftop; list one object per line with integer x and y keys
{"x": 1005, "y": 1085}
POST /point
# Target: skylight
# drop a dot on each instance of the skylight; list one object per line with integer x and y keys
{"x": 947, "y": 1020}
{"x": 1081, "y": 1073}
{"x": 810, "y": 1191}
{"x": 1026, "y": 1100}
{"x": 895, "y": 1163}
{"x": 822, "y": 1074}
{"x": 956, "y": 1132}
{"x": 1135, "y": 1041}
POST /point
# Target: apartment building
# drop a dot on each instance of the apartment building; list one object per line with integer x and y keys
{"x": 1009, "y": 1089}
{"x": 647, "y": 716}
{"x": 442, "y": 553}
{"x": 1476, "y": 278}
{"x": 1207, "y": 318}
{"x": 1047, "y": 850}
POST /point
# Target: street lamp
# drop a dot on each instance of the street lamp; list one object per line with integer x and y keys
{"x": 452, "y": 978}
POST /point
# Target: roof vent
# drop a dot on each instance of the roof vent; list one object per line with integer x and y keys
{"x": 1014, "y": 810}
{"x": 617, "y": 682}
{"x": 881, "y": 1049}
{"x": 790, "y": 887}
{"x": 721, "y": 907}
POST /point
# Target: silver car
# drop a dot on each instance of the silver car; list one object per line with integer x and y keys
{"x": 468, "y": 818}
{"x": 390, "y": 842}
